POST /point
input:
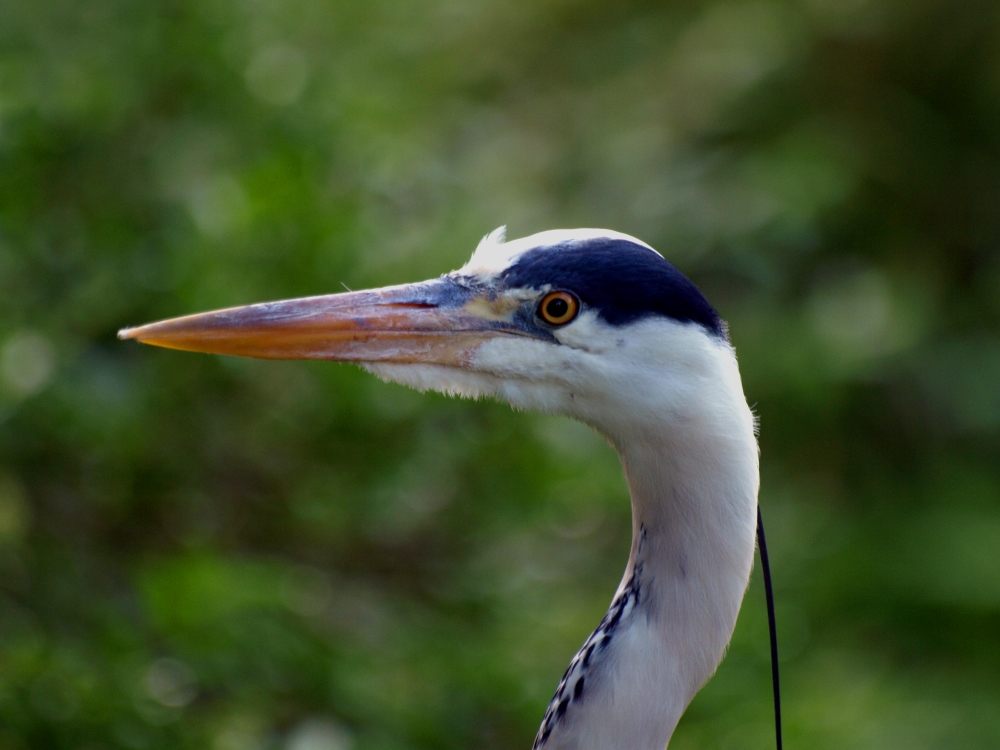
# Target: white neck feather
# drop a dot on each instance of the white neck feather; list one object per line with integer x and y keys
{"x": 693, "y": 477}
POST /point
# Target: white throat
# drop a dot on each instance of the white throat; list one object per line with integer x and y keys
{"x": 693, "y": 477}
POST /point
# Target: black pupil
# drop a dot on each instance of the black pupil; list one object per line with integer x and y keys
{"x": 557, "y": 308}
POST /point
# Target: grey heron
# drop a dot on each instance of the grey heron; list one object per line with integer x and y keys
{"x": 598, "y": 326}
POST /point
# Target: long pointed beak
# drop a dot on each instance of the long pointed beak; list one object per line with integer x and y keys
{"x": 440, "y": 322}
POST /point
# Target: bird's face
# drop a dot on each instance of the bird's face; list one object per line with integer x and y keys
{"x": 579, "y": 322}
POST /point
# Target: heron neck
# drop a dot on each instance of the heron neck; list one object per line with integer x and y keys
{"x": 685, "y": 437}
{"x": 694, "y": 498}
{"x": 693, "y": 521}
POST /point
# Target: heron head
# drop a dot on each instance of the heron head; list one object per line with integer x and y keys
{"x": 589, "y": 323}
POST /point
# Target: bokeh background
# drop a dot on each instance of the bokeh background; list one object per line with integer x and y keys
{"x": 201, "y": 552}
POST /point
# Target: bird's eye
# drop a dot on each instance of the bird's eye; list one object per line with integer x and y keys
{"x": 558, "y": 308}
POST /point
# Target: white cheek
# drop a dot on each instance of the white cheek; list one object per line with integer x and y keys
{"x": 530, "y": 374}
{"x": 588, "y": 333}
{"x": 509, "y": 356}
{"x": 571, "y": 376}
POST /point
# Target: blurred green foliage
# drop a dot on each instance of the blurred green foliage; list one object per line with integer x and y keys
{"x": 199, "y": 552}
